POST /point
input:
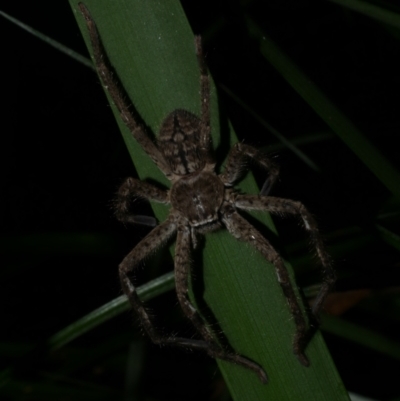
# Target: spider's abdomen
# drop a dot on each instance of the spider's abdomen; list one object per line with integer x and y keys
{"x": 198, "y": 197}
{"x": 179, "y": 141}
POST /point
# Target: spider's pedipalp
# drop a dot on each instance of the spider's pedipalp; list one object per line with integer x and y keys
{"x": 130, "y": 189}
{"x": 236, "y": 165}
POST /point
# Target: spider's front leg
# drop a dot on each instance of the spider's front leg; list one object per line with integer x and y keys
{"x": 112, "y": 85}
{"x": 242, "y": 230}
{"x": 236, "y": 166}
{"x": 205, "y": 98}
{"x": 286, "y": 207}
{"x": 209, "y": 345}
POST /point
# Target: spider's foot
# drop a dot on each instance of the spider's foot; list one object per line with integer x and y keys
{"x": 302, "y": 359}
{"x": 148, "y": 221}
{"x": 263, "y": 376}
{"x": 266, "y": 188}
{"x": 255, "y": 367}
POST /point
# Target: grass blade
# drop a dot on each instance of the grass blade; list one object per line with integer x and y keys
{"x": 59, "y": 46}
{"x": 111, "y": 309}
{"x": 372, "y": 11}
{"x": 332, "y": 116}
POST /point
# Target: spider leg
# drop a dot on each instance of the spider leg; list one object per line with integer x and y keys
{"x": 159, "y": 235}
{"x": 110, "y": 83}
{"x": 146, "y": 246}
{"x": 130, "y": 188}
{"x": 244, "y": 231}
{"x": 290, "y": 207}
{"x": 205, "y": 139}
{"x": 209, "y": 345}
{"x": 235, "y": 166}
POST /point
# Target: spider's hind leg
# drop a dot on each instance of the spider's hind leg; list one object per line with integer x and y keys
{"x": 153, "y": 240}
{"x": 242, "y": 230}
{"x": 286, "y": 207}
{"x": 210, "y": 344}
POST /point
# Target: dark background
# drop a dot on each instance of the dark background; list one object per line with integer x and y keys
{"x": 62, "y": 158}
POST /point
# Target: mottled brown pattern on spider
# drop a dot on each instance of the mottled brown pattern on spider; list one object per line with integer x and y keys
{"x": 202, "y": 201}
{"x": 180, "y": 139}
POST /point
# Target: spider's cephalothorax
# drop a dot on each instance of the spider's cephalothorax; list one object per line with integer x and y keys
{"x": 180, "y": 142}
{"x": 197, "y": 192}
{"x": 201, "y": 201}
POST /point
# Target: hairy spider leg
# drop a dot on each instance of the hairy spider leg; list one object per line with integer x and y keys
{"x": 109, "y": 82}
{"x": 211, "y": 346}
{"x": 234, "y": 170}
{"x": 205, "y": 121}
{"x": 285, "y": 207}
{"x": 242, "y": 230}
{"x": 289, "y": 207}
{"x": 153, "y": 240}
{"x": 157, "y": 237}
